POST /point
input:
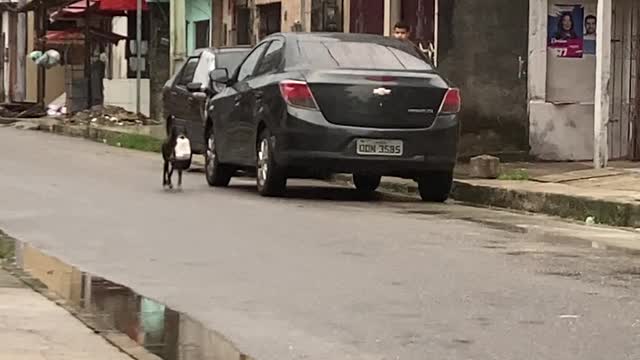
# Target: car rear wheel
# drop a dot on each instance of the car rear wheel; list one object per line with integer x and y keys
{"x": 435, "y": 186}
{"x": 366, "y": 184}
{"x": 270, "y": 178}
{"x": 218, "y": 175}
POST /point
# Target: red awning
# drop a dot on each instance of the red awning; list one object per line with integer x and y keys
{"x": 120, "y": 5}
{"x": 100, "y": 7}
{"x": 59, "y": 37}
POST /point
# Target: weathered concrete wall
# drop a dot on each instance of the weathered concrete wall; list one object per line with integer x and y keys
{"x": 561, "y": 132}
{"x": 122, "y": 92}
{"x": 480, "y": 43}
{"x": 560, "y": 93}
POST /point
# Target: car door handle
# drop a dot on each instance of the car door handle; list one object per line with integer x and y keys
{"x": 173, "y": 93}
{"x": 259, "y": 95}
{"x": 237, "y": 100}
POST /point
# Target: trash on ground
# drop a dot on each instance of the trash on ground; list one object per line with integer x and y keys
{"x": 107, "y": 115}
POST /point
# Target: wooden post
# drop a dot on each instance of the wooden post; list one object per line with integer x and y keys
{"x": 13, "y": 55}
{"x": 41, "y": 31}
{"x": 392, "y": 14}
{"x": 603, "y": 74}
{"x": 87, "y": 54}
{"x": 2, "y": 56}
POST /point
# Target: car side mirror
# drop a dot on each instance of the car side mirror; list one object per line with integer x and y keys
{"x": 220, "y": 76}
{"x": 194, "y": 87}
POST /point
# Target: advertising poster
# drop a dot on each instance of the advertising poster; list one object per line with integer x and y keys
{"x": 590, "y": 22}
{"x": 566, "y": 30}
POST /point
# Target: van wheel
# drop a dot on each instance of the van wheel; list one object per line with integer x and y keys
{"x": 435, "y": 186}
{"x": 270, "y": 178}
{"x": 218, "y": 175}
{"x": 366, "y": 184}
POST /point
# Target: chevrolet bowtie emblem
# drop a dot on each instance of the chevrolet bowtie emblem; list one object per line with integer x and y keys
{"x": 381, "y": 91}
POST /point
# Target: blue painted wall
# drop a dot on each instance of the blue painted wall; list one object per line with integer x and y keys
{"x": 196, "y": 10}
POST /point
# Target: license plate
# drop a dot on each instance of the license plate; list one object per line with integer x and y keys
{"x": 379, "y": 147}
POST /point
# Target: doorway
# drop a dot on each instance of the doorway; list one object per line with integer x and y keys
{"x": 367, "y": 16}
{"x": 269, "y": 19}
{"x": 624, "y": 113}
{"x": 419, "y": 14}
{"x": 202, "y": 34}
{"x": 243, "y": 35}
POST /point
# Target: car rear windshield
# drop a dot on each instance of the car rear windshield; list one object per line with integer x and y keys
{"x": 230, "y": 59}
{"x": 363, "y": 55}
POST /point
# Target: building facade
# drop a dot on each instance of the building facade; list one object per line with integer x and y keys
{"x": 528, "y": 88}
{"x": 562, "y": 88}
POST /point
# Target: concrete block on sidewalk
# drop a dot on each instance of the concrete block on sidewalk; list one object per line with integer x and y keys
{"x": 485, "y": 167}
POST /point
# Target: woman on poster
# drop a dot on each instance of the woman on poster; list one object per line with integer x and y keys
{"x": 566, "y": 29}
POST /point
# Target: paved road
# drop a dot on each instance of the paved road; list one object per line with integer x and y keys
{"x": 319, "y": 275}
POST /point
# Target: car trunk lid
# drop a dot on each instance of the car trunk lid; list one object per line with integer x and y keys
{"x": 378, "y": 99}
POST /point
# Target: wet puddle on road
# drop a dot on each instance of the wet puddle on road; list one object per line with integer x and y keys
{"x": 113, "y": 310}
{"x": 169, "y": 334}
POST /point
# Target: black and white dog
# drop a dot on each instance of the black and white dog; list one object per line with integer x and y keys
{"x": 176, "y": 152}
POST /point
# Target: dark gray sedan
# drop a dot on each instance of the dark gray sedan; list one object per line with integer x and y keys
{"x": 310, "y": 104}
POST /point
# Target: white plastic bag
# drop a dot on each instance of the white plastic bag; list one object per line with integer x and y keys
{"x": 182, "y": 150}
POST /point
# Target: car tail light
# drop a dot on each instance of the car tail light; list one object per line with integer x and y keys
{"x": 298, "y": 94}
{"x": 451, "y": 102}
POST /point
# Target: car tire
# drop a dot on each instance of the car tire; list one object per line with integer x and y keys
{"x": 366, "y": 184}
{"x": 435, "y": 186}
{"x": 218, "y": 175}
{"x": 270, "y": 178}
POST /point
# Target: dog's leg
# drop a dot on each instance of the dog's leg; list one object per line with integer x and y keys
{"x": 170, "y": 176}
{"x": 165, "y": 171}
{"x": 180, "y": 178}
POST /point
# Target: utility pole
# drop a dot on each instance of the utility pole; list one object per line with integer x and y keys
{"x": 138, "y": 52}
{"x": 603, "y": 74}
{"x": 21, "y": 54}
{"x": 178, "y": 51}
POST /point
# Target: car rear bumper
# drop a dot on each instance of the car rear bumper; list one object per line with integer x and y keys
{"x": 306, "y": 140}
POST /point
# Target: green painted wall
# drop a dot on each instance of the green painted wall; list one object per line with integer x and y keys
{"x": 196, "y": 10}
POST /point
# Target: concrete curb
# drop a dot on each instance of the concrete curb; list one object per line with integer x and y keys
{"x": 606, "y": 212}
{"x": 562, "y": 205}
{"x": 115, "y": 137}
{"x": 8, "y": 121}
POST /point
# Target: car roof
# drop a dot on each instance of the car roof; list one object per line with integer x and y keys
{"x": 221, "y": 50}
{"x": 333, "y": 36}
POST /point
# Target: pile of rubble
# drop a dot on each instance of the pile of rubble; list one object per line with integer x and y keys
{"x": 108, "y": 116}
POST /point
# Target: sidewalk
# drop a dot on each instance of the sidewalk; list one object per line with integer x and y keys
{"x": 34, "y": 328}
{"x": 569, "y": 189}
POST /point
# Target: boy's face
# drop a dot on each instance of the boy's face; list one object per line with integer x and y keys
{"x": 591, "y": 26}
{"x": 401, "y": 33}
